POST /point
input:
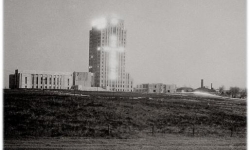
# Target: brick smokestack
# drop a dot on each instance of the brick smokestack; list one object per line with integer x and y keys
{"x": 201, "y": 83}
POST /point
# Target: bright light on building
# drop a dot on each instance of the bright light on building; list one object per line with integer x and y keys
{"x": 100, "y": 23}
{"x": 114, "y": 21}
{"x": 107, "y": 45}
{"x": 120, "y": 49}
{"x": 113, "y": 61}
{"x": 113, "y": 40}
{"x": 112, "y": 66}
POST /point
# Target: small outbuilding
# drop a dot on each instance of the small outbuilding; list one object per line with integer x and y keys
{"x": 205, "y": 90}
{"x": 184, "y": 89}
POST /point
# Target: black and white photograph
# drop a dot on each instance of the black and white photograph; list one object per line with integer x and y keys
{"x": 124, "y": 74}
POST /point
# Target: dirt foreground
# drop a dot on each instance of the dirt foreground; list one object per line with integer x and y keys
{"x": 167, "y": 141}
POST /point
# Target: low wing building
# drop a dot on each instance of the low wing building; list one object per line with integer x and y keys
{"x": 155, "y": 88}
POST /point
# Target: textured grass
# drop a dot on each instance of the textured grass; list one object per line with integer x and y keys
{"x": 29, "y": 113}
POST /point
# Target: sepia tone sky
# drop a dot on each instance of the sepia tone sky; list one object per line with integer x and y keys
{"x": 168, "y": 41}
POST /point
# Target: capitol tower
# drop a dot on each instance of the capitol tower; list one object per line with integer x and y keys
{"x": 107, "y": 48}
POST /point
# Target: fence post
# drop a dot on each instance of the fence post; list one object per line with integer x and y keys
{"x": 193, "y": 129}
{"x": 108, "y": 129}
{"x": 231, "y": 132}
{"x": 194, "y": 121}
{"x": 88, "y": 125}
{"x": 153, "y": 130}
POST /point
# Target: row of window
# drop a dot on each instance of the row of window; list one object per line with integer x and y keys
{"x": 120, "y": 43}
{"x": 116, "y": 86}
{"x": 45, "y": 87}
{"x": 113, "y": 30}
{"x": 141, "y": 90}
{"x": 123, "y": 90}
{"x": 45, "y": 80}
{"x": 119, "y": 82}
{"x": 49, "y": 87}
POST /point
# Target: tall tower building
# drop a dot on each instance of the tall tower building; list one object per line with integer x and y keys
{"x": 107, "y": 45}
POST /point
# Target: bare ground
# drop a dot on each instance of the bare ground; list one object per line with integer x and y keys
{"x": 166, "y": 141}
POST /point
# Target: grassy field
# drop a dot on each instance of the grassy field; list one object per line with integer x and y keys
{"x": 106, "y": 115}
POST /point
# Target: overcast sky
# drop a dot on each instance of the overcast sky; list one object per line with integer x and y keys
{"x": 168, "y": 41}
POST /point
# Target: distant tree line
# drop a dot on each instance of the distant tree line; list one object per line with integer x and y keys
{"x": 234, "y": 92}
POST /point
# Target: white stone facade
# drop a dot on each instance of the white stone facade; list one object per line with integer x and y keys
{"x": 41, "y": 79}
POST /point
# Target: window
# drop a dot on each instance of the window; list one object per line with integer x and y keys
{"x": 41, "y": 80}
{"x": 50, "y": 80}
{"x": 25, "y": 80}
{"x": 36, "y": 80}
{"x": 68, "y": 81}
{"x": 45, "y": 80}
{"x": 54, "y": 80}
{"x": 25, "y": 86}
{"x": 32, "y": 79}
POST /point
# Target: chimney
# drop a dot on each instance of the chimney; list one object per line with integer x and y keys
{"x": 211, "y": 86}
{"x": 201, "y": 83}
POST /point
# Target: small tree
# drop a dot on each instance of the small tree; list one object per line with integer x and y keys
{"x": 243, "y": 93}
{"x": 227, "y": 93}
{"x": 234, "y": 91}
{"x": 221, "y": 89}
